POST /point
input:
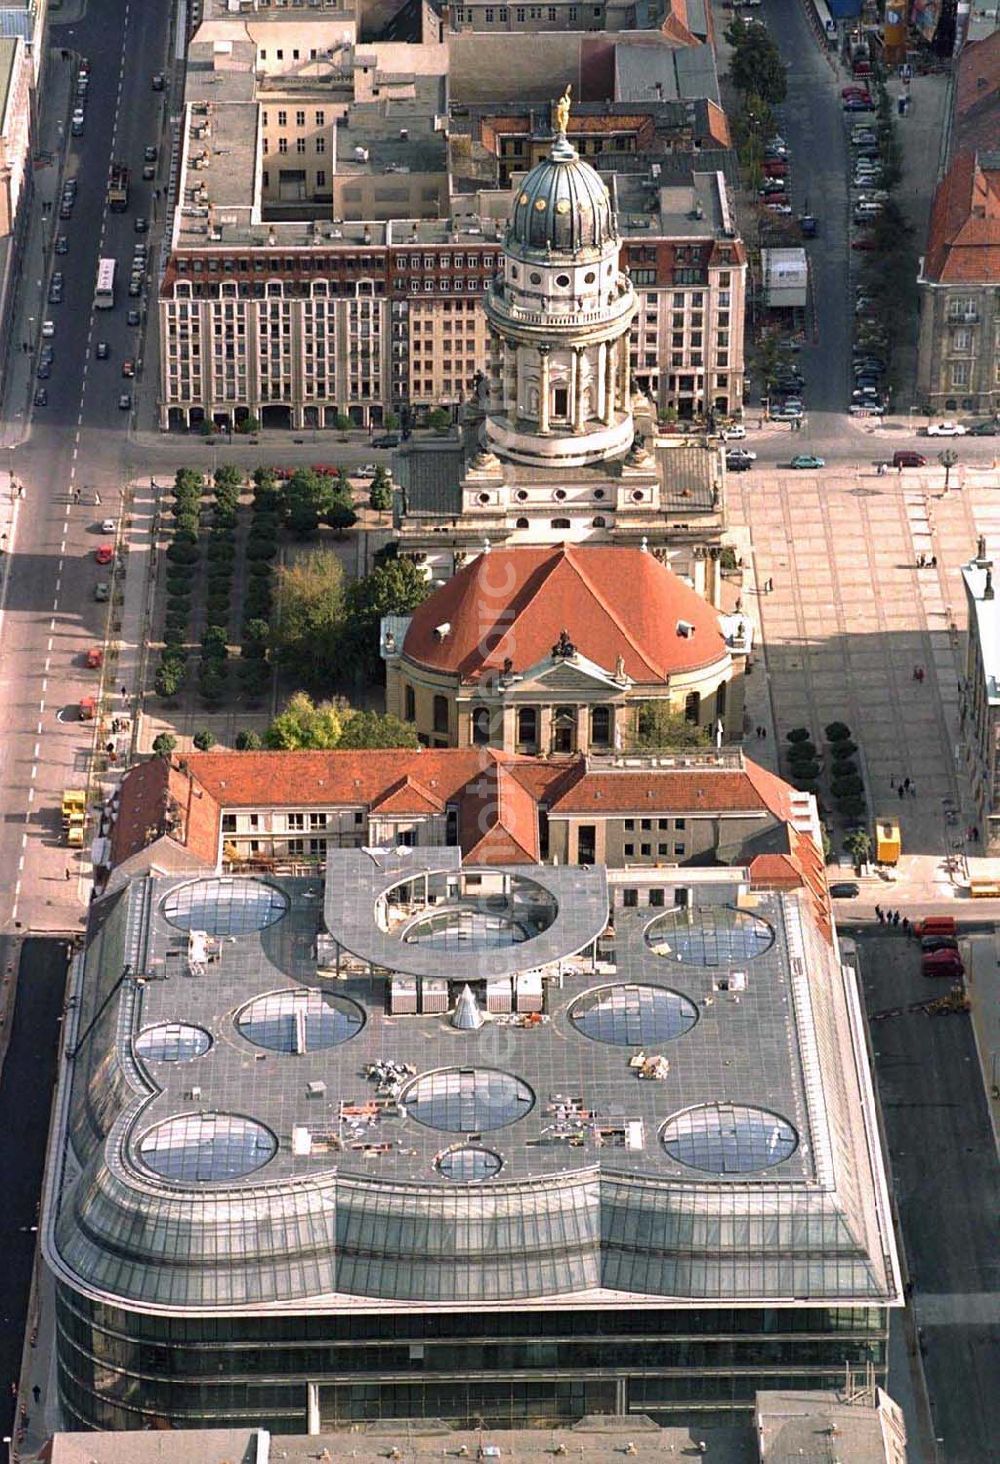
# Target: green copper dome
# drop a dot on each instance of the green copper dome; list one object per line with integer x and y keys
{"x": 562, "y": 207}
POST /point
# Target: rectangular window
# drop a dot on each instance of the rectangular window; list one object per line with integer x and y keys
{"x": 321, "y": 144}
{"x": 679, "y": 850}
{"x": 629, "y": 850}
{"x": 960, "y": 373}
{"x": 320, "y": 119}
{"x": 680, "y": 823}
{"x": 663, "y": 849}
{"x": 321, "y": 178}
{"x": 630, "y": 824}
{"x": 300, "y": 119}
{"x": 961, "y": 340}
{"x": 647, "y": 850}
{"x": 300, "y": 144}
{"x": 630, "y": 899}
{"x": 282, "y": 116}
{"x": 282, "y": 144}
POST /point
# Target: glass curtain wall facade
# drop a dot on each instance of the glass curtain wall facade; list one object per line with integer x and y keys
{"x": 125, "y": 1370}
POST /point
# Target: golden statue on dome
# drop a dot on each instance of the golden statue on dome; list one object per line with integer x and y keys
{"x": 562, "y": 110}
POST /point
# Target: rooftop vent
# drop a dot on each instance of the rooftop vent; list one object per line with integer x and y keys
{"x": 685, "y": 629}
{"x": 443, "y": 630}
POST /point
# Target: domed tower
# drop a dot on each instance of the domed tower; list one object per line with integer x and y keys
{"x": 559, "y": 313}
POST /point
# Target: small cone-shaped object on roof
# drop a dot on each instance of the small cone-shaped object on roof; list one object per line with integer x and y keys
{"x": 467, "y": 1016}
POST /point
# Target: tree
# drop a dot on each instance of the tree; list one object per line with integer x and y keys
{"x": 755, "y": 67}
{"x": 304, "y": 723}
{"x": 228, "y": 476}
{"x": 308, "y": 497}
{"x": 858, "y": 845}
{"x": 396, "y": 588}
{"x": 256, "y": 634}
{"x": 439, "y": 420}
{"x": 311, "y": 608}
{"x": 658, "y": 726}
{"x": 169, "y": 678}
{"x": 390, "y": 422}
{"x": 164, "y": 744}
{"x": 204, "y": 739}
{"x": 341, "y": 515}
{"x": 376, "y": 729}
{"x": 837, "y": 731}
{"x": 380, "y": 494}
{"x": 342, "y": 422}
{"x": 798, "y": 734}
{"x": 248, "y": 741}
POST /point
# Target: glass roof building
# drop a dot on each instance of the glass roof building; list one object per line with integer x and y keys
{"x": 418, "y": 1140}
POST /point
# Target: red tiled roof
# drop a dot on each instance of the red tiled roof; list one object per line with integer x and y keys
{"x": 498, "y": 823}
{"x": 775, "y": 872}
{"x": 963, "y": 237}
{"x": 407, "y": 795}
{"x": 513, "y": 603}
{"x": 703, "y": 790}
{"x": 977, "y": 96}
{"x": 315, "y": 779}
{"x": 158, "y": 799}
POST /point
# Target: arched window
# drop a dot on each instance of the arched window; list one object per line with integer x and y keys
{"x": 481, "y": 726}
{"x": 522, "y": 523}
{"x": 527, "y": 729}
{"x": 440, "y": 714}
{"x": 410, "y": 712}
{"x": 560, "y": 523}
{"x": 600, "y": 726}
{"x": 720, "y": 699}
{"x": 600, "y": 523}
{"x": 692, "y": 706}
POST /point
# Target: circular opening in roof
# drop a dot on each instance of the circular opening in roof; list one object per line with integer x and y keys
{"x": 225, "y": 906}
{"x": 562, "y": 280}
{"x": 300, "y": 1021}
{"x": 468, "y": 1100}
{"x": 631, "y": 1016}
{"x": 709, "y": 935}
{"x": 466, "y": 1164}
{"x": 728, "y": 1138}
{"x": 172, "y": 1042}
{"x": 203, "y": 1147}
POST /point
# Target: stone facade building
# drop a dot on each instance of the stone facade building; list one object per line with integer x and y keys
{"x": 958, "y": 367}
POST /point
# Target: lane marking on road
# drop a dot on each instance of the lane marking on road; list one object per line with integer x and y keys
{"x": 48, "y": 663}
{"x": 38, "y": 728}
{"x": 58, "y": 583}
{"x": 45, "y": 687}
{"x": 38, "y": 748}
{"x": 49, "y": 646}
{"x": 52, "y": 623}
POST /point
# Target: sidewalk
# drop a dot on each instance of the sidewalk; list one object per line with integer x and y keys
{"x": 31, "y": 307}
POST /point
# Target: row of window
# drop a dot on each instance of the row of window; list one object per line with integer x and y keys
{"x": 500, "y": 14}
{"x": 319, "y": 118}
{"x": 319, "y": 145}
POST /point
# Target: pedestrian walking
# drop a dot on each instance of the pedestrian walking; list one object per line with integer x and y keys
{"x": 906, "y": 784}
{"x": 76, "y": 495}
{"x": 906, "y": 926}
{"x": 69, "y": 872}
{"x": 763, "y": 733}
{"x": 913, "y": 790}
{"x": 975, "y": 834}
{"x": 895, "y": 918}
{"x": 892, "y": 780}
{"x": 36, "y": 1393}
{"x": 902, "y": 791}
{"x": 933, "y": 561}
{"x": 97, "y": 500}
{"x": 739, "y": 603}
{"x": 878, "y": 912}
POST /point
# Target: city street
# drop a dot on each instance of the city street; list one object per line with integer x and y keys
{"x": 947, "y": 1191}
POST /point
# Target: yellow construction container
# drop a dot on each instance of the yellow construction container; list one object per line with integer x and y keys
{"x": 74, "y": 815}
{"x": 888, "y": 845}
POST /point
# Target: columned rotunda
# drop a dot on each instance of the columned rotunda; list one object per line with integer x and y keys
{"x": 559, "y": 314}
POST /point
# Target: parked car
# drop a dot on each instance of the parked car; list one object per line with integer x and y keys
{"x": 102, "y": 592}
{"x": 148, "y": 171}
{"x": 904, "y": 458}
{"x": 929, "y": 943}
{"x": 41, "y": 397}
{"x": 48, "y": 329}
{"x": 159, "y": 81}
{"x": 62, "y": 244}
{"x": 736, "y": 433}
{"x": 943, "y": 963}
{"x": 125, "y": 401}
{"x": 140, "y": 225}
{"x": 149, "y": 153}
{"x": 104, "y": 553}
{"x": 134, "y": 317}
{"x": 858, "y": 104}
{"x": 387, "y": 439}
{"x": 807, "y": 460}
{"x": 740, "y": 461}
{"x": 102, "y": 351}
{"x": 43, "y": 371}
{"x": 128, "y": 366}
{"x": 985, "y": 429}
{"x": 946, "y": 429}
{"x": 845, "y": 890}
